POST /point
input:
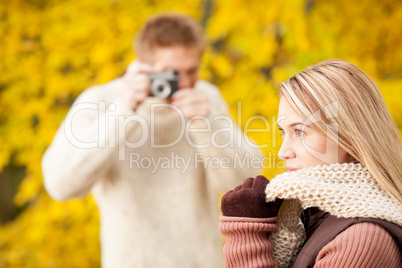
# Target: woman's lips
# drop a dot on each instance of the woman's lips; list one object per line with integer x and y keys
{"x": 290, "y": 169}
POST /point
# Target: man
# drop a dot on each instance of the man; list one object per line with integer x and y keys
{"x": 155, "y": 165}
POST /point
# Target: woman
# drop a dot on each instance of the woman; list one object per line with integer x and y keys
{"x": 340, "y": 202}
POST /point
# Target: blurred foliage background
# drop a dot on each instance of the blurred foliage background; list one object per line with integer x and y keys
{"x": 51, "y": 50}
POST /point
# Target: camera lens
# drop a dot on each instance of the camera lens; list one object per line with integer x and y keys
{"x": 160, "y": 88}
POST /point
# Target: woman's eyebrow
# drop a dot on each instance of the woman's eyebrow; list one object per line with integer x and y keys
{"x": 297, "y": 123}
{"x": 293, "y": 124}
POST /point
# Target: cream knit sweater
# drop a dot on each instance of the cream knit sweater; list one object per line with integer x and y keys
{"x": 158, "y": 204}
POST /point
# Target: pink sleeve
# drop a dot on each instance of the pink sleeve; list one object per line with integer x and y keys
{"x": 247, "y": 244}
{"x": 361, "y": 245}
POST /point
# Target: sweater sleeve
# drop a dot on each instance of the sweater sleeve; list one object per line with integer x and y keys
{"x": 247, "y": 244}
{"x": 81, "y": 151}
{"x": 230, "y": 156}
{"x": 361, "y": 245}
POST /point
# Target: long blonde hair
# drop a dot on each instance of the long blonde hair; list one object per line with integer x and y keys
{"x": 345, "y": 104}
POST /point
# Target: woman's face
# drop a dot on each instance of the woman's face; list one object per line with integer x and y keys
{"x": 303, "y": 146}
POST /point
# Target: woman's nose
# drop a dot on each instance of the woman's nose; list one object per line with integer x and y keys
{"x": 286, "y": 151}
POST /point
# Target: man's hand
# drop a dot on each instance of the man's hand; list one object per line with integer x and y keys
{"x": 191, "y": 102}
{"x": 136, "y": 84}
{"x": 248, "y": 200}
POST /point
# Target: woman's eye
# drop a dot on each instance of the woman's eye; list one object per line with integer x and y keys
{"x": 299, "y": 133}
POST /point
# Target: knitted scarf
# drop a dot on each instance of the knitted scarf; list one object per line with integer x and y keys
{"x": 344, "y": 190}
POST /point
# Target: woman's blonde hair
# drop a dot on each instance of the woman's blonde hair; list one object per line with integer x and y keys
{"x": 344, "y": 103}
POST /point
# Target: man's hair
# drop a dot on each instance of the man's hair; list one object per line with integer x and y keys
{"x": 168, "y": 30}
{"x": 348, "y": 107}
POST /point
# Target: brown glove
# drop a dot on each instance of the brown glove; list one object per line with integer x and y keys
{"x": 248, "y": 200}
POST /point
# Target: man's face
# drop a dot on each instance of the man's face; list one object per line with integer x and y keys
{"x": 184, "y": 60}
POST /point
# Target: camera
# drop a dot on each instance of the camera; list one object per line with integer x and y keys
{"x": 164, "y": 84}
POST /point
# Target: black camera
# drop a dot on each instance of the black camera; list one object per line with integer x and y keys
{"x": 164, "y": 84}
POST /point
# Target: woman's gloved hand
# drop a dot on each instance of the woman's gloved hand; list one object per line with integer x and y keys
{"x": 248, "y": 200}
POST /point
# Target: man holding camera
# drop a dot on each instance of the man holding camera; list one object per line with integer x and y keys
{"x": 156, "y": 147}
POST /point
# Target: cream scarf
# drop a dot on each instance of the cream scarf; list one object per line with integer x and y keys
{"x": 344, "y": 190}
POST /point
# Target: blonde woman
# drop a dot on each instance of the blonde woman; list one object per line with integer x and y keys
{"x": 340, "y": 202}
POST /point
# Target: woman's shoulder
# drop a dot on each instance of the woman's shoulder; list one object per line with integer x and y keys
{"x": 362, "y": 244}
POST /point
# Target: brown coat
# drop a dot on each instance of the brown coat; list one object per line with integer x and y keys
{"x": 322, "y": 228}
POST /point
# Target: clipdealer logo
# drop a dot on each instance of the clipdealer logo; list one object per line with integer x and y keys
{"x": 202, "y": 160}
{"x": 91, "y": 125}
